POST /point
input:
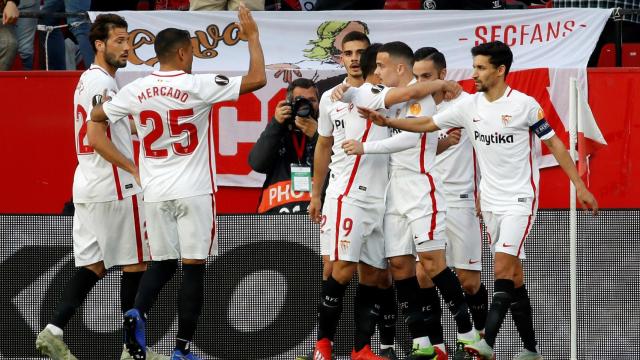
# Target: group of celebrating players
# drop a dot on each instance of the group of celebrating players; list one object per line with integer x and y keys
{"x": 402, "y": 206}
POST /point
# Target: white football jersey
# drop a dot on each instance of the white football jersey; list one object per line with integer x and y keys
{"x": 421, "y": 157}
{"x": 96, "y": 179}
{"x": 331, "y": 123}
{"x": 171, "y": 110}
{"x": 502, "y": 133}
{"x": 456, "y": 167}
{"x": 364, "y": 178}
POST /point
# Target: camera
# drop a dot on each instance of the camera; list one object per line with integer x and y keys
{"x": 300, "y": 106}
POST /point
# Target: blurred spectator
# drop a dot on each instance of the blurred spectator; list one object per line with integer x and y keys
{"x": 79, "y": 27}
{"x": 322, "y": 5}
{"x": 114, "y": 5}
{"x": 25, "y": 31}
{"x": 171, "y": 5}
{"x": 213, "y": 5}
{"x": 285, "y": 148}
{"x": 8, "y": 43}
{"x": 604, "y": 4}
{"x": 462, "y": 4}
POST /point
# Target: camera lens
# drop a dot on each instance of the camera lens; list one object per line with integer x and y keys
{"x": 302, "y": 107}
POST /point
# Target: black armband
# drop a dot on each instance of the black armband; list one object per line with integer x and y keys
{"x": 541, "y": 128}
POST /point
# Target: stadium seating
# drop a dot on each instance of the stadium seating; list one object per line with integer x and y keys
{"x": 630, "y": 55}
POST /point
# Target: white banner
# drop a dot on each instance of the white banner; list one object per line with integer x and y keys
{"x": 552, "y": 38}
{"x": 307, "y": 44}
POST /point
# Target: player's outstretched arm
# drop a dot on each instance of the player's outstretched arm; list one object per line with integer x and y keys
{"x": 97, "y": 135}
{"x": 561, "y": 154}
{"x": 403, "y": 141}
{"x": 414, "y": 124}
{"x": 256, "y": 78}
{"x": 321, "y": 159}
{"x": 419, "y": 90}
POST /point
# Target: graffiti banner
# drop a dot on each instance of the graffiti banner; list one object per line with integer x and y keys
{"x": 307, "y": 44}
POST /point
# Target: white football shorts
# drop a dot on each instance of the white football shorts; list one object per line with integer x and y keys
{"x": 327, "y": 225}
{"x": 357, "y": 234}
{"x": 112, "y": 232}
{"x": 464, "y": 239}
{"x": 507, "y": 233}
{"x": 415, "y": 201}
{"x": 182, "y": 228}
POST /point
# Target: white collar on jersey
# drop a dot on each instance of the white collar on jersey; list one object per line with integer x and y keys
{"x": 168, "y": 73}
{"x": 98, "y": 67}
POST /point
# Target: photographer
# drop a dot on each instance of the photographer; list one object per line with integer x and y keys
{"x": 284, "y": 151}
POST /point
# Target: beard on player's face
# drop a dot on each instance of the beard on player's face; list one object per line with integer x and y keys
{"x": 114, "y": 60}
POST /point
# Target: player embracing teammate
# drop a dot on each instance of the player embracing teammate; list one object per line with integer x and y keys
{"x": 502, "y": 123}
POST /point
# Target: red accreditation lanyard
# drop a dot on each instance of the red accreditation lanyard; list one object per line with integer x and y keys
{"x": 299, "y": 145}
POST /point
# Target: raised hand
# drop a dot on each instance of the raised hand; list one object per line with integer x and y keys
{"x": 248, "y": 26}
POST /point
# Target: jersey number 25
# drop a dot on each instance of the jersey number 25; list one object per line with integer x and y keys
{"x": 155, "y": 120}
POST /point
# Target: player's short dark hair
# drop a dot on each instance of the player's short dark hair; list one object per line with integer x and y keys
{"x": 356, "y": 36}
{"x": 431, "y": 53}
{"x": 169, "y": 40}
{"x": 498, "y": 52}
{"x": 398, "y": 49}
{"x": 368, "y": 59}
{"x": 300, "y": 83}
{"x": 102, "y": 25}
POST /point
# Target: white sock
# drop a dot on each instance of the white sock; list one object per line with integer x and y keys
{"x": 469, "y": 336}
{"x": 384, "y": 347}
{"x": 54, "y": 329}
{"x": 422, "y": 342}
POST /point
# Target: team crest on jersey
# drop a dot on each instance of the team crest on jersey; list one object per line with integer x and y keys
{"x": 377, "y": 88}
{"x": 344, "y": 244}
{"x": 221, "y": 80}
{"x": 415, "y": 109}
{"x": 540, "y": 114}
{"x": 506, "y": 119}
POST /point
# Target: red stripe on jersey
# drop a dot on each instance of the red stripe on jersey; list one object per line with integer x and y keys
{"x": 453, "y": 129}
{"x": 213, "y": 199}
{"x": 160, "y": 75}
{"x": 136, "y": 220}
{"x": 524, "y": 236}
{"x": 423, "y": 146}
{"x": 475, "y": 175}
{"x": 432, "y": 194}
{"x": 116, "y": 176}
{"x": 338, "y": 216}
{"x": 210, "y": 153}
{"x": 533, "y": 183}
{"x": 533, "y": 187}
{"x": 510, "y": 90}
{"x": 213, "y": 225}
{"x": 357, "y": 162}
